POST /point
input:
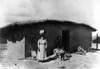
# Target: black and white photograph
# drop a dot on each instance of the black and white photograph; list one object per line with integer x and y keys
{"x": 49, "y": 34}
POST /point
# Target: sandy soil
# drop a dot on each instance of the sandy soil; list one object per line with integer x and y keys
{"x": 89, "y": 61}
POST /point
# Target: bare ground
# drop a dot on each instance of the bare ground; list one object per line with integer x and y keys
{"x": 89, "y": 61}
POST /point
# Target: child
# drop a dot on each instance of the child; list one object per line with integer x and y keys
{"x": 56, "y": 52}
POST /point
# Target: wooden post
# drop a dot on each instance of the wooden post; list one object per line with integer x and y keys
{"x": 97, "y": 42}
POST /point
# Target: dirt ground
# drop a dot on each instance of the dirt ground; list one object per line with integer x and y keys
{"x": 89, "y": 61}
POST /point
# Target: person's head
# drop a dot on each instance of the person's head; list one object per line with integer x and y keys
{"x": 58, "y": 37}
{"x": 42, "y": 37}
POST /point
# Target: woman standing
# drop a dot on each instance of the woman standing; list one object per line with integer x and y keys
{"x": 58, "y": 42}
{"x": 42, "y": 46}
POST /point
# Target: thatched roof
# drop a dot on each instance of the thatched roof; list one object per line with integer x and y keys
{"x": 30, "y": 23}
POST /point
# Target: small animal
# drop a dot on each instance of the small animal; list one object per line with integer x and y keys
{"x": 61, "y": 54}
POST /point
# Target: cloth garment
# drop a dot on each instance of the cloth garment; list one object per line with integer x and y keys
{"x": 42, "y": 45}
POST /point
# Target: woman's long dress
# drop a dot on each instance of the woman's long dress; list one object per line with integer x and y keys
{"x": 41, "y": 55}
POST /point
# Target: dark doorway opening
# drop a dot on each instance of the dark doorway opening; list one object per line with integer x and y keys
{"x": 66, "y": 40}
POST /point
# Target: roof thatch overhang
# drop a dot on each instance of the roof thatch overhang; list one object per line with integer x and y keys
{"x": 19, "y": 25}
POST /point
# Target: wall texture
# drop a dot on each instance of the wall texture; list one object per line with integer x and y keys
{"x": 16, "y": 50}
{"x": 80, "y": 36}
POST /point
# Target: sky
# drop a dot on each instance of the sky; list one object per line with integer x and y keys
{"x": 80, "y": 11}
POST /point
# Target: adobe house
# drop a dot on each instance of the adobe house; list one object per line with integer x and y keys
{"x": 72, "y": 34}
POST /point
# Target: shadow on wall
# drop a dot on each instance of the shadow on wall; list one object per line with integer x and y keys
{"x": 28, "y": 49}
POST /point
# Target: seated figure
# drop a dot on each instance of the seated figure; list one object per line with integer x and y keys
{"x": 81, "y": 50}
{"x": 60, "y": 53}
{"x": 56, "y": 51}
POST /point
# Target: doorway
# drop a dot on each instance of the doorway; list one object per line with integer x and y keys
{"x": 66, "y": 40}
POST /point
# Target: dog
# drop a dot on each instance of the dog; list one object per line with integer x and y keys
{"x": 61, "y": 54}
